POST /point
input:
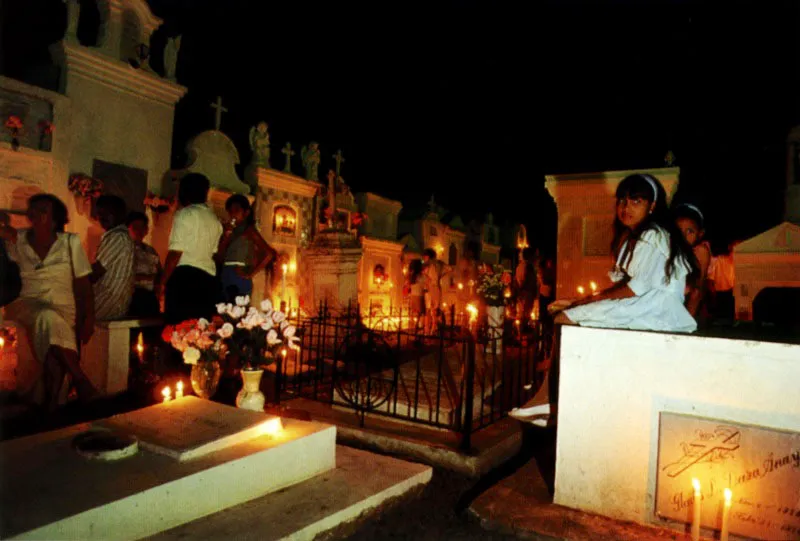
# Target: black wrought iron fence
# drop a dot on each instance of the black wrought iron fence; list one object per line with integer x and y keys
{"x": 448, "y": 375}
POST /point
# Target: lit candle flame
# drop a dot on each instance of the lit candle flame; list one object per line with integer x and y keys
{"x": 284, "y": 352}
{"x": 179, "y": 389}
{"x": 273, "y": 427}
{"x": 696, "y": 485}
{"x": 140, "y": 344}
{"x": 293, "y": 266}
{"x": 460, "y": 285}
{"x": 2, "y": 342}
{"x": 593, "y": 285}
{"x": 516, "y": 322}
{"x": 581, "y": 291}
{"x": 167, "y": 393}
{"x": 285, "y": 268}
{"x": 728, "y": 496}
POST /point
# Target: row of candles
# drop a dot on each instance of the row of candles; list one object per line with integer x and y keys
{"x": 167, "y": 392}
{"x": 696, "y": 506}
{"x": 582, "y": 290}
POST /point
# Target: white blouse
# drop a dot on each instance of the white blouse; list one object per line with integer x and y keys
{"x": 196, "y": 232}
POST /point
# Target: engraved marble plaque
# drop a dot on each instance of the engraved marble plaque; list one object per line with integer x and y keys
{"x": 760, "y": 465}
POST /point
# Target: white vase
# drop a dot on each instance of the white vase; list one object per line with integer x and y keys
{"x": 495, "y": 318}
{"x": 251, "y": 397}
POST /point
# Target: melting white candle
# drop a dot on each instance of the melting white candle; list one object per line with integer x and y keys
{"x": 696, "y": 510}
{"x": 726, "y": 515}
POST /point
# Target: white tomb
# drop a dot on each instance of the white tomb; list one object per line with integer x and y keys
{"x": 54, "y": 493}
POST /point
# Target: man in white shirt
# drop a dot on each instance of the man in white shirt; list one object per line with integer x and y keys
{"x": 112, "y": 271}
{"x": 189, "y": 278}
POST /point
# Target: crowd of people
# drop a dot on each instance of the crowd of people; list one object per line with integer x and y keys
{"x": 62, "y": 294}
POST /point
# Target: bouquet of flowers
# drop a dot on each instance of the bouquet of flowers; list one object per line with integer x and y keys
{"x": 492, "y": 282}
{"x": 46, "y": 127}
{"x": 85, "y": 186}
{"x": 158, "y": 203}
{"x": 253, "y": 336}
{"x": 14, "y": 125}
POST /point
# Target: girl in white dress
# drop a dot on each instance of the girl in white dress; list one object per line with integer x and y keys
{"x": 653, "y": 262}
{"x": 55, "y": 271}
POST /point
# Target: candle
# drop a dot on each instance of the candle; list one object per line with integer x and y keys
{"x": 140, "y": 347}
{"x": 167, "y": 393}
{"x": 293, "y": 266}
{"x": 581, "y": 291}
{"x": 2, "y": 342}
{"x": 179, "y": 389}
{"x": 285, "y": 268}
{"x": 696, "y": 511}
{"x": 593, "y": 286}
{"x": 726, "y": 515}
{"x": 460, "y": 286}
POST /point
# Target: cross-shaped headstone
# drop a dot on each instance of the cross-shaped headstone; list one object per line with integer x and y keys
{"x": 220, "y": 109}
{"x": 339, "y": 159}
{"x": 288, "y": 152}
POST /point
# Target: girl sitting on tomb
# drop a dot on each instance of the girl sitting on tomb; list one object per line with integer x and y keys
{"x": 653, "y": 263}
{"x": 689, "y": 221}
{"x": 243, "y": 250}
{"x": 56, "y": 303}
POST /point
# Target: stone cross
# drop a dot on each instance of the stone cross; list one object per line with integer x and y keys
{"x": 220, "y": 109}
{"x": 331, "y": 196}
{"x": 339, "y": 160}
{"x": 288, "y": 152}
{"x": 73, "y": 14}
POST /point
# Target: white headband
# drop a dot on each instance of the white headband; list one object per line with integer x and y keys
{"x": 652, "y": 183}
{"x": 697, "y": 210}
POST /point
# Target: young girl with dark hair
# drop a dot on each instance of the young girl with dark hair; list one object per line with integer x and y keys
{"x": 690, "y": 221}
{"x": 653, "y": 263}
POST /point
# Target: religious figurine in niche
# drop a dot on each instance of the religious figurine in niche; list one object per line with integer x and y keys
{"x": 259, "y": 144}
{"x": 171, "y": 57}
{"x": 311, "y": 158}
{"x": 285, "y": 220}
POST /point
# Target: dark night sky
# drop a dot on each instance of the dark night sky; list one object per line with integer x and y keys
{"x": 476, "y": 101}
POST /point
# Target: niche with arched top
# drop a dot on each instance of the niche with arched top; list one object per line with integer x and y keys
{"x": 284, "y": 220}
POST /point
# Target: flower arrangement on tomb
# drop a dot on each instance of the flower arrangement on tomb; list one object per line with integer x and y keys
{"x": 46, "y": 127}
{"x": 357, "y": 218}
{"x": 14, "y": 125}
{"x": 251, "y": 335}
{"x": 159, "y": 204}
{"x": 492, "y": 283}
{"x": 85, "y": 186}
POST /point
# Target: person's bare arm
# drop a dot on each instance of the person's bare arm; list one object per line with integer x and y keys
{"x": 265, "y": 252}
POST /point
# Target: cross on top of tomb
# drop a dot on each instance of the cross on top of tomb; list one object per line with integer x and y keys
{"x": 218, "y": 115}
{"x": 288, "y": 152}
{"x": 339, "y": 160}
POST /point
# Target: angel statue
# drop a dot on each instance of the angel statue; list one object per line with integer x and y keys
{"x": 311, "y": 158}
{"x": 259, "y": 144}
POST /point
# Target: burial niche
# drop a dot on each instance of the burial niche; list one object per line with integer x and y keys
{"x": 285, "y": 220}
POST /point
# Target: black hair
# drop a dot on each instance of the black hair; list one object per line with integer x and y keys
{"x": 430, "y": 252}
{"x": 244, "y": 203}
{"x": 137, "y": 216}
{"x": 58, "y": 208}
{"x": 114, "y": 204}
{"x": 193, "y": 189}
{"x": 647, "y": 187}
{"x": 685, "y": 210}
{"x": 414, "y": 270}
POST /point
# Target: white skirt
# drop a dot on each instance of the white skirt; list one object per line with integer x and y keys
{"x": 656, "y": 310}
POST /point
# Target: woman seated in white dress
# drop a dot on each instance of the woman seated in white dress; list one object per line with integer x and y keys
{"x": 55, "y": 300}
{"x": 653, "y": 263}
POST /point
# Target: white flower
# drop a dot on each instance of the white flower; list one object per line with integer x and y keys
{"x": 222, "y": 308}
{"x": 226, "y": 331}
{"x": 252, "y": 311}
{"x": 236, "y": 311}
{"x": 243, "y": 301}
{"x": 266, "y": 306}
{"x": 289, "y": 331}
{"x": 288, "y": 335}
{"x": 285, "y": 323}
{"x": 202, "y": 323}
{"x": 278, "y": 316}
{"x": 266, "y": 324}
{"x": 191, "y": 355}
{"x": 272, "y": 338}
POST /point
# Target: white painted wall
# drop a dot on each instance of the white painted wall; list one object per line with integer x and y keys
{"x": 615, "y": 383}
